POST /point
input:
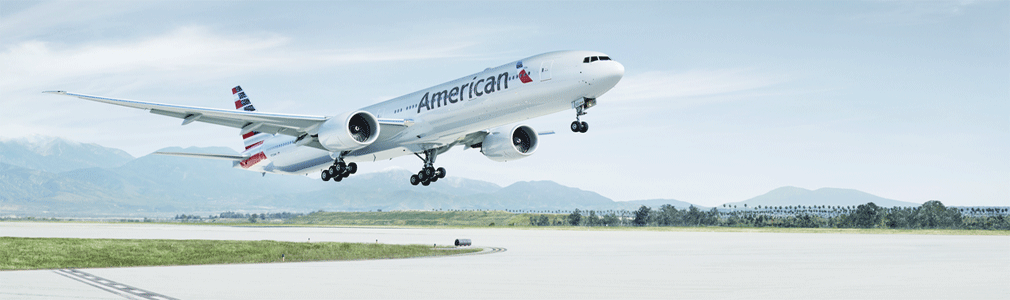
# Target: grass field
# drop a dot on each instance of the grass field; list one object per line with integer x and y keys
{"x": 56, "y": 253}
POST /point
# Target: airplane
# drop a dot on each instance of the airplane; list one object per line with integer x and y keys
{"x": 474, "y": 111}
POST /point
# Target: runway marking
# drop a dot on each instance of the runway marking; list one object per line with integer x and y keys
{"x": 486, "y": 250}
{"x": 120, "y": 289}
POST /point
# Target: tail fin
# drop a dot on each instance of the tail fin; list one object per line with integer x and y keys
{"x": 255, "y": 138}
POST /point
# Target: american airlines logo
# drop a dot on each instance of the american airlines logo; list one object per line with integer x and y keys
{"x": 470, "y": 90}
{"x": 523, "y": 76}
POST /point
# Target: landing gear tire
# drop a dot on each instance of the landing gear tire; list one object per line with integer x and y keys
{"x": 576, "y": 127}
{"x": 428, "y": 173}
{"x": 583, "y": 127}
{"x": 339, "y": 170}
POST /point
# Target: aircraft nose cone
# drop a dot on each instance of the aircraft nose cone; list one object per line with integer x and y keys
{"x": 603, "y": 76}
{"x": 610, "y": 75}
{"x": 616, "y": 72}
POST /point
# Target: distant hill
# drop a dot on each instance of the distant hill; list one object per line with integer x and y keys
{"x": 656, "y": 203}
{"x": 54, "y": 154}
{"x": 45, "y": 176}
{"x": 149, "y": 184}
{"x": 542, "y": 195}
{"x": 785, "y": 196}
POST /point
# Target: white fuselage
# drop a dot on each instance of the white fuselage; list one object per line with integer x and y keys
{"x": 447, "y": 112}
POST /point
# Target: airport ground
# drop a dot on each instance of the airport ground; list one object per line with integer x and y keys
{"x": 567, "y": 264}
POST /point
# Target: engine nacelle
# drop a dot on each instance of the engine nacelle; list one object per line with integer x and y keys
{"x": 505, "y": 144}
{"x": 349, "y": 131}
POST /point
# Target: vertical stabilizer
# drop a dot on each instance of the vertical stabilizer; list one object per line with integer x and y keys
{"x": 252, "y": 139}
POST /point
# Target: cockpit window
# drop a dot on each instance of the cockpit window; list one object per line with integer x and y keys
{"x": 590, "y": 59}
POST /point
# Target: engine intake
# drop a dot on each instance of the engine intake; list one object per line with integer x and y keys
{"x": 503, "y": 144}
{"x": 349, "y": 131}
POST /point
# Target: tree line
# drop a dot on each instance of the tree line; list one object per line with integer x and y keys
{"x": 930, "y": 215}
{"x": 234, "y": 215}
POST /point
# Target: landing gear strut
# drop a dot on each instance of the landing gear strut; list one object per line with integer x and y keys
{"x": 429, "y": 173}
{"x": 339, "y": 170}
{"x": 579, "y": 126}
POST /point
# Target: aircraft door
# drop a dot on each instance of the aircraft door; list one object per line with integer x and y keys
{"x": 545, "y": 70}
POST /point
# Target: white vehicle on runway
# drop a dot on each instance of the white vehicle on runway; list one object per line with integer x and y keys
{"x": 473, "y": 111}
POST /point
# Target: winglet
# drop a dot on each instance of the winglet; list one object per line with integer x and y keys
{"x": 55, "y": 92}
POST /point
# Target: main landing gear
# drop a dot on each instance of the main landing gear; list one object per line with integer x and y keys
{"x": 429, "y": 173}
{"x": 339, "y": 170}
{"x": 579, "y": 126}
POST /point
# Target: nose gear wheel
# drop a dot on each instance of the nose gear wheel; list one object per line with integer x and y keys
{"x": 579, "y": 126}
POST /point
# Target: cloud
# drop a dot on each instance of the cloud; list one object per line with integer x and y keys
{"x": 695, "y": 84}
{"x": 914, "y": 12}
{"x": 189, "y": 53}
{"x": 183, "y": 49}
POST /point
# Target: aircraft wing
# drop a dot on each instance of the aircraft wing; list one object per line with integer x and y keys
{"x": 203, "y": 155}
{"x": 288, "y": 124}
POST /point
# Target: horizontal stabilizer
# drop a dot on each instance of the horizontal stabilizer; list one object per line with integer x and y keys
{"x": 204, "y": 155}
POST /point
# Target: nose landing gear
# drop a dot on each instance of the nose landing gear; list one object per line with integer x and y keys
{"x": 579, "y": 127}
{"x": 581, "y": 105}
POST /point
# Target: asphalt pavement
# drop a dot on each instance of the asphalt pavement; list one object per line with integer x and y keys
{"x": 543, "y": 263}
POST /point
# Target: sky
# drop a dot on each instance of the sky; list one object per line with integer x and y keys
{"x": 721, "y": 100}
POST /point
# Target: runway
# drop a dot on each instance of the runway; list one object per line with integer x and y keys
{"x": 537, "y": 263}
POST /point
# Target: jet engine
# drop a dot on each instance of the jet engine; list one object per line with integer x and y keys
{"x": 504, "y": 144}
{"x": 349, "y": 131}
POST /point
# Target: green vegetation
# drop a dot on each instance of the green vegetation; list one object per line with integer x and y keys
{"x": 54, "y": 253}
{"x": 406, "y": 218}
{"x": 931, "y": 215}
{"x": 930, "y": 218}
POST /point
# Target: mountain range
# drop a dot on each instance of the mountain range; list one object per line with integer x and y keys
{"x": 47, "y": 176}
{"x": 789, "y": 195}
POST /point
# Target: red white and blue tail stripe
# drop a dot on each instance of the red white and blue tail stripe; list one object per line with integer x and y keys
{"x": 254, "y": 139}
